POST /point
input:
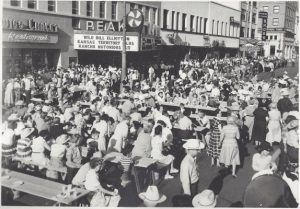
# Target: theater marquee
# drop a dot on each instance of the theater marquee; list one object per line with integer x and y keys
{"x": 105, "y": 42}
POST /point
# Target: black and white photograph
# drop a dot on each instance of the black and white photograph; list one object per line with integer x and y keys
{"x": 150, "y": 103}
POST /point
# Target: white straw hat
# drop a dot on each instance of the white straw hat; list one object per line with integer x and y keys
{"x": 193, "y": 144}
{"x": 205, "y": 199}
{"x": 152, "y": 195}
{"x": 26, "y": 132}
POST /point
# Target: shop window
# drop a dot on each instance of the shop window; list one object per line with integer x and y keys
{"x": 275, "y": 21}
{"x": 102, "y": 9}
{"x": 114, "y": 10}
{"x": 51, "y": 6}
{"x": 89, "y": 8}
{"x": 265, "y": 8}
{"x": 75, "y": 7}
{"x": 183, "y": 22}
{"x": 76, "y": 23}
{"x": 205, "y": 24}
{"x": 15, "y": 3}
{"x": 165, "y": 18}
{"x": 192, "y": 23}
{"x": 276, "y": 9}
{"x": 147, "y": 14}
{"x": 31, "y": 4}
{"x": 173, "y": 19}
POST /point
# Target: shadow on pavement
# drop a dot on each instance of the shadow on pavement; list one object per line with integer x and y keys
{"x": 217, "y": 183}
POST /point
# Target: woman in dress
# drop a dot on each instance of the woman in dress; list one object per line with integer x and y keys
{"x": 24, "y": 150}
{"x": 230, "y": 152}
{"x": 9, "y": 93}
{"x": 260, "y": 124}
{"x": 274, "y": 134}
{"x": 39, "y": 145}
{"x": 157, "y": 149}
{"x": 213, "y": 144}
{"x": 8, "y": 142}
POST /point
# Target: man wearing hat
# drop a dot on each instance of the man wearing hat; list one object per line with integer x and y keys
{"x": 152, "y": 197}
{"x": 189, "y": 175}
{"x": 284, "y": 105}
{"x": 205, "y": 199}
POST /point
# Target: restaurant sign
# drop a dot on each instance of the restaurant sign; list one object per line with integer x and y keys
{"x": 29, "y": 37}
{"x": 30, "y": 25}
{"x": 105, "y": 42}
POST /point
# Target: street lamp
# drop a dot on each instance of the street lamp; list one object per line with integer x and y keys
{"x": 123, "y": 73}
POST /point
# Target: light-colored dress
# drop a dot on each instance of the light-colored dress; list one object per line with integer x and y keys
{"x": 38, "y": 149}
{"x": 230, "y": 151}
{"x": 157, "y": 148}
{"x": 9, "y": 94}
{"x": 274, "y": 134}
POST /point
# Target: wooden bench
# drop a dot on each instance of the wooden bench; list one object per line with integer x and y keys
{"x": 41, "y": 187}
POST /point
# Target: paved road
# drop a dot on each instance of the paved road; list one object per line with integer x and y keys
{"x": 292, "y": 72}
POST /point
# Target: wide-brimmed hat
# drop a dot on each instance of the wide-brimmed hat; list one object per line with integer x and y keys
{"x": 26, "y": 132}
{"x": 152, "y": 195}
{"x": 13, "y": 117}
{"x": 292, "y": 124}
{"x": 205, "y": 199}
{"x": 193, "y": 144}
{"x": 20, "y": 127}
{"x": 36, "y": 100}
{"x": 62, "y": 139}
{"x": 19, "y": 103}
{"x": 285, "y": 92}
{"x": 234, "y": 107}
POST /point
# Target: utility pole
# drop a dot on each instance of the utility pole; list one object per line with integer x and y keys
{"x": 123, "y": 74}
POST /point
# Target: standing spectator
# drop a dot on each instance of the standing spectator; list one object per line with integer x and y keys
{"x": 274, "y": 133}
{"x": 214, "y": 142}
{"x": 9, "y": 93}
{"x": 189, "y": 175}
{"x": 260, "y": 124}
{"x": 284, "y": 105}
{"x": 230, "y": 151}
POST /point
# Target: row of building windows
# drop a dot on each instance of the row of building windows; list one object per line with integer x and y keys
{"x": 275, "y": 9}
{"x": 290, "y": 12}
{"x": 245, "y": 14}
{"x": 224, "y": 29}
{"x": 177, "y": 21}
{"x": 32, "y": 4}
{"x": 271, "y": 37}
{"x": 245, "y": 33}
{"x": 150, "y": 16}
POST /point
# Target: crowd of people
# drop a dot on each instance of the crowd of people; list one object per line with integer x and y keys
{"x": 79, "y": 117}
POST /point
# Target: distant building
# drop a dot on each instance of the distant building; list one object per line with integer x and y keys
{"x": 248, "y": 23}
{"x": 199, "y": 28}
{"x": 39, "y": 33}
{"x": 280, "y": 29}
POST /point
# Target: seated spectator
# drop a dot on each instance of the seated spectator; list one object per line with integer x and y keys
{"x": 39, "y": 145}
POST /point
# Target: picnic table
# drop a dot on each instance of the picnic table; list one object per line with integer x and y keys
{"x": 41, "y": 187}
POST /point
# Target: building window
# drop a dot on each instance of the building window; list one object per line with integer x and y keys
{"x": 254, "y": 18}
{"x": 265, "y": 8}
{"x": 221, "y": 29}
{"x": 140, "y": 7}
{"x": 155, "y": 16}
{"x": 31, "y": 4}
{"x": 276, "y": 9}
{"x": 205, "y": 23}
{"x": 75, "y": 23}
{"x": 242, "y": 32}
{"x": 165, "y": 19}
{"x": 132, "y": 6}
{"x": 275, "y": 37}
{"x": 102, "y": 9}
{"x": 212, "y": 27}
{"x": 243, "y": 15}
{"x": 225, "y": 29}
{"x": 15, "y": 3}
{"x": 271, "y": 37}
{"x": 51, "y": 6}
{"x": 275, "y": 21}
{"x": 252, "y": 33}
{"x": 200, "y": 25}
{"x": 183, "y": 21}
{"x": 192, "y": 23}
{"x": 177, "y": 21}
{"x": 147, "y": 14}
{"x": 267, "y": 37}
{"x": 114, "y": 10}
{"x": 89, "y": 8}
{"x": 75, "y": 6}
{"x": 173, "y": 19}
{"x": 197, "y": 22}
{"x": 217, "y": 27}
{"x": 254, "y": 4}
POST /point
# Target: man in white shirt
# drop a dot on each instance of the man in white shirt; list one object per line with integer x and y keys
{"x": 185, "y": 123}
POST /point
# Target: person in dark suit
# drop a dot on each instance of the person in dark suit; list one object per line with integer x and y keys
{"x": 285, "y": 105}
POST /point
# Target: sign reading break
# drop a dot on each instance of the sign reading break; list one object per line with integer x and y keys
{"x": 105, "y": 42}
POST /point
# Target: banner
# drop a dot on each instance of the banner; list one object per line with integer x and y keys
{"x": 105, "y": 42}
